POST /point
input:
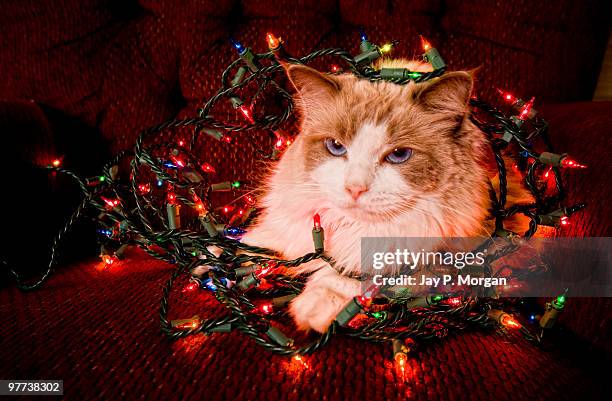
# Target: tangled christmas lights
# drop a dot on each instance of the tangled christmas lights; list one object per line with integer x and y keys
{"x": 166, "y": 209}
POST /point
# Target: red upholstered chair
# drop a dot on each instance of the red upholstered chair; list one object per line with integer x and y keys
{"x": 111, "y": 68}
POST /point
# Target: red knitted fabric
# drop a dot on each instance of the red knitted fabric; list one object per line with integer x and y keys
{"x": 98, "y": 331}
{"x": 125, "y": 65}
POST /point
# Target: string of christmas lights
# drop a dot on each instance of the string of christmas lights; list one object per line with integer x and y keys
{"x": 166, "y": 208}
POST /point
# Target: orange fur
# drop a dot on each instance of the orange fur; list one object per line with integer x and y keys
{"x": 442, "y": 190}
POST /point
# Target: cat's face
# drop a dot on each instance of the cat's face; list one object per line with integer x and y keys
{"x": 380, "y": 151}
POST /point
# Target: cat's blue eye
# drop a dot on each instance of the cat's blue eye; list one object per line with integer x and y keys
{"x": 399, "y": 155}
{"x": 334, "y": 147}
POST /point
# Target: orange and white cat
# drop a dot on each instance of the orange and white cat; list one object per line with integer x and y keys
{"x": 374, "y": 159}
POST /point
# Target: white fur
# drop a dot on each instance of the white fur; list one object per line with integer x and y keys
{"x": 294, "y": 196}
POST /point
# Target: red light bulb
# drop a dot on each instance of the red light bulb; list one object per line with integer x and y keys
{"x": 144, "y": 188}
{"x": 191, "y": 287}
{"x": 317, "y": 221}
{"x": 455, "y": 301}
{"x": 568, "y": 162}
{"x": 178, "y": 162}
{"x": 110, "y": 202}
{"x": 565, "y": 221}
{"x": 266, "y": 308}
{"x": 171, "y": 197}
{"x": 366, "y": 298}
{"x": 56, "y": 163}
{"x": 246, "y": 113}
{"x": 265, "y": 269}
{"x": 426, "y": 45}
{"x": 526, "y": 109}
{"x": 335, "y": 68}
{"x": 507, "y": 96}
{"x": 208, "y": 168}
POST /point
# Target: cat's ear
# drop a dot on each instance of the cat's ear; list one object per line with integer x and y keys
{"x": 311, "y": 84}
{"x": 448, "y": 94}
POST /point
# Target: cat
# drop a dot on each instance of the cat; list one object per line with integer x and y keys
{"x": 373, "y": 159}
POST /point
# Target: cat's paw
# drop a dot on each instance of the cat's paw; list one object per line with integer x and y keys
{"x": 316, "y": 308}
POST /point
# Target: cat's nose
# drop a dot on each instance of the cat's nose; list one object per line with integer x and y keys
{"x": 356, "y": 190}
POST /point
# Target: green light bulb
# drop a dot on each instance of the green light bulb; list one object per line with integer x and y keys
{"x": 102, "y": 178}
{"x": 236, "y": 184}
{"x": 437, "y": 298}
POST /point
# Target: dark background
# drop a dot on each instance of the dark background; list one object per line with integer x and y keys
{"x": 80, "y": 79}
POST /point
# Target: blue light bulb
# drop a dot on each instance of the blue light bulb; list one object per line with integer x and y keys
{"x": 234, "y": 232}
{"x": 364, "y": 37}
{"x": 208, "y": 284}
{"x": 108, "y": 233}
{"x": 237, "y": 45}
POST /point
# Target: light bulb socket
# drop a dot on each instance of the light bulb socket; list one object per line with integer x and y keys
{"x": 250, "y": 59}
{"x": 174, "y": 216}
{"x": 221, "y": 186}
{"x": 318, "y": 238}
{"x": 243, "y": 271}
{"x": 367, "y": 57}
{"x": 432, "y": 56}
{"x": 223, "y": 328}
{"x": 247, "y": 283}
{"x": 239, "y": 76}
{"x": 279, "y": 337}
{"x": 348, "y": 312}
{"x": 282, "y": 301}
{"x": 119, "y": 253}
{"x": 208, "y": 224}
{"x": 236, "y": 102}
{"x": 551, "y": 159}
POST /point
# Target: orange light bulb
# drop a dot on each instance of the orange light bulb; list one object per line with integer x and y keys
{"x": 299, "y": 359}
{"x": 510, "y": 322}
{"x": 273, "y": 42}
